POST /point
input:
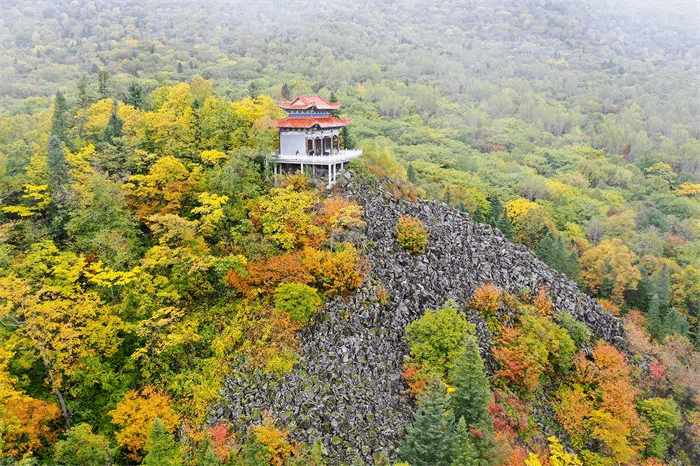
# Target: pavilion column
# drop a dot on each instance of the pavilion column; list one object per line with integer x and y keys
{"x": 330, "y": 172}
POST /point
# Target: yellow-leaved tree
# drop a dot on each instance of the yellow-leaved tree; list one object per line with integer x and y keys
{"x": 609, "y": 269}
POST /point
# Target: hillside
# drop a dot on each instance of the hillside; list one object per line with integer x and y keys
{"x": 347, "y": 387}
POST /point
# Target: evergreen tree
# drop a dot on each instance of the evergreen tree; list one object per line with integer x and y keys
{"x": 346, "y": 138}
{"x": 83, "y": 103}
{"x": 654, "y": 318}
{"x": 463, "y": 452}
{"x": 673, "y": 322}
{"x": 113, "y": 130}
{"x": 102, "y": 78}
{"x": 497, "y": 218}
{"x": 59, "y": 122}
{"x": 134, "y": 95}
{"x": 206, "y": 455}
{"x": 662, "y": 287}
{"x": 495, "y": 210}
{"x": 478, "y": 215}
{"x": 287, "y": 93}
{"x": 56, "y": 163}
{"x": 506, "y": 227}
{"x": 548, "y": 250}
{"x": 572, "y": 266}
{"x": 411, "y": 173}
{"x": 472, "y": 391}
{"x": 429, "y": 440}
{"x": 162, "y": 449}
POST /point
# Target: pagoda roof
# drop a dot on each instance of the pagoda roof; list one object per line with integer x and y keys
{"x": 303, "y": 102}
{"x": 310, "y": 122}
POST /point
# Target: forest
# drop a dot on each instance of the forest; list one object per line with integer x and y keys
{"x": 147, "y": 253}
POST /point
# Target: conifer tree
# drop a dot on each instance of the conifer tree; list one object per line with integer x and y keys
{"x": 206, "y": 455}
{"x": 472, "y": 391}
{"x": 56, "y": 163}
{"x": 654, "y": 318}
{"x": 463, "y": 452}
{"x": 102, "y": 78}
{"x": 287, "y": 93}
{"x": 59, "y": 122}
{"x": 162, "y": 449}
{"x": 429, "y": 440}
{"x": 113, "y": 130}
{"x": 547, "y": 250}
{"x": 411, "y": 173}
{"x": 134, "y": 95}
{"x": 497, "y": 218}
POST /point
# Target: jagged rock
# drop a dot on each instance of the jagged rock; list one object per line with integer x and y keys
{"x": 346, "y": 388}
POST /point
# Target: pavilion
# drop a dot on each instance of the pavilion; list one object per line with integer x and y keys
{"x": 310, "y": 137}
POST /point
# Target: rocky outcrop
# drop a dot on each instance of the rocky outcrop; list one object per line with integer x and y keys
{"x": 347, "y": 388}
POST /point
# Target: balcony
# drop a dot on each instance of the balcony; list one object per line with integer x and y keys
{"x": 335, "y": 157}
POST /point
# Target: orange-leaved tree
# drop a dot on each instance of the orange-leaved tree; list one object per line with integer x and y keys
{"x": 134, "y": 417}
{"x": 600, "y": 407}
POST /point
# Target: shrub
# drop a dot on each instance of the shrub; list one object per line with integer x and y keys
{"x": 411, "y": 234}
{"x": 298, "y": 300}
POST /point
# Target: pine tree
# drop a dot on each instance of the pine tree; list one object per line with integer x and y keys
{"x": 346, "y": 138}
{"x": 113, "y": 130}
{"x": 654, "y": 318}
{"x": 134, "y": 95}
{"x": 662, "y": 287}
{"x": 496, "y": 218}
{"x": 162, "y": 449}
{"x": 429, "y": 440}
{"x": 59, "y": 123}
{"x": 673, "y": 322}
{"x": 463, "y": 452}
{"x": 495, "y": 210}
{"x": 206, "y": 455}
{"x": 287, "y": 93}
{"x": 56, "y": 163}
{"x": 103, "y": 77}
{"x": 472, "y": 391}
{"x": 411, "y": 173}
{"x": 547, "y": 250}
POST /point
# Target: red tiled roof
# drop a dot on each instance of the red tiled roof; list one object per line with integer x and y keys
{"x": 309, "y": 122}
{"x": 307, "y": 101}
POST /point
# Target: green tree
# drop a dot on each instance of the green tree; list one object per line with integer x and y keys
{"x": 83, "y": 448}
{"x": 134, "y": 95}
{"x": 59, "y": 120}
{"x": 206, "y": 455}
{"x": 161, "y": 447}
{"x": 102, "y": 78}
{"x": 429, "y": 439}
{"x": 663, "y": 416}
{"x": 56, "y": 163}
{"x": 472, "y": 393}
{"x": 497, "y": 218}
{"x": 654, "y": 318}
{"x": 463, "y": 452}
{"x": 436, "y": 339}
{"x": 113, "y": 130}
{"x": 411, "y": 173}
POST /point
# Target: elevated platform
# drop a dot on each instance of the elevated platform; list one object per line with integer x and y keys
{"x": 320, "y": 165}
{"x": 335, "y": 157}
